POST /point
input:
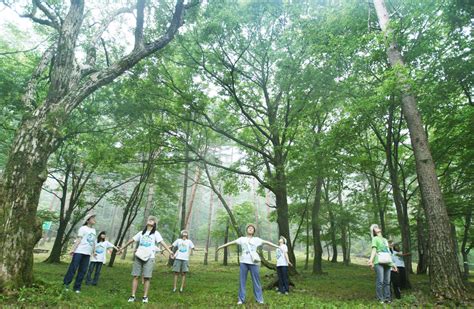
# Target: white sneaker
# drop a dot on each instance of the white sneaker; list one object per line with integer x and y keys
{"x": 145, "y": 300}
{"x": 77, "y": 291}
{"x": 181, "y": 290}
{"x": 239, "y": 302}
{"x": 131, "y": 299}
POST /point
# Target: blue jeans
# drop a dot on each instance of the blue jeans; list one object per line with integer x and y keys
{"x": 79, "y": 261}
{"x": 382, "y": 282}
{"x": 98, "y": 267}
{"x": 254, "y": 273}
{"x": 283, "y": 285}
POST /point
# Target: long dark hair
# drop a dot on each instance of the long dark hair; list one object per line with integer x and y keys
{"x": 153, "y": 230}
{"x": 99, "y": 239}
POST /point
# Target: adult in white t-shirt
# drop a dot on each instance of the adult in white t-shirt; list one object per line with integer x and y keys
{"x": 83, "y": 248}
{"x": 282, "y": 266}
{"x": 249, "y": 261}
{"x": 144, "y": 259}
{"x": 184, "y": 246}
{"x": 99, "y": 259}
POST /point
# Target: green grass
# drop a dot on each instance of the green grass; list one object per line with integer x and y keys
{"x": 213, "y": 286}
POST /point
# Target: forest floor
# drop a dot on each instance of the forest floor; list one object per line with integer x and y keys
{"x": 215, "y": 286}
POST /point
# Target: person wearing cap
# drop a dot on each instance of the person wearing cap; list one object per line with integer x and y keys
{"x": 249, "y": 262}
{"x": 380, "y": 249}
{"x": 83, "y": 248}
{"x": 282, "y": 266}
{"x": 184, "y": 248}
{"x": 144, "y": 259}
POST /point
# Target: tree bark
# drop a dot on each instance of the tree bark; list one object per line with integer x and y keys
{"x": 209, "y": 221}
{"x": 423, "y": 256}
{"x": 465, "y": 245}
{"x": 318, "y": 249}
{"x": 445, "y": 275}
{"x": 226, "y": 240}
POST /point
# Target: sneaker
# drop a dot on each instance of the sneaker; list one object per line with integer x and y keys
{"x": 145, "y": 300}
{"x": 77, "y": 291}
{"x": 239, "y": 302}
{"x": 286, "y": 293}
{"x": 66, "y": 287}
{"x": 181, "y": 290}
{"x": 174, "y": 290}
{"x": 260, "y": 302}
{"x": 388, "y": 301}
{"x": 131, "y": 299}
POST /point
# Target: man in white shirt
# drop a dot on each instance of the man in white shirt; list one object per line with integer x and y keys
{"x": 184, "y": 247}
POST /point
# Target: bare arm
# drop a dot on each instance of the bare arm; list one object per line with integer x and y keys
{"x": 167, "y": 248}
{"x": 126, "y": 245}
{"x": 269, "y": 243}
{"x": 372, "y": 257}
{"x": 76, "y": 243}
{"x": 287, "y": 258}
{"x": 227, "y": 244}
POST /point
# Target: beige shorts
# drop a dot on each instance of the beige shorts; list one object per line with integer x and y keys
{"x": 146, "y": 268}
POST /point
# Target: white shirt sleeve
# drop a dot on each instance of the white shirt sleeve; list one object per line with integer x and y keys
{"x": 175, "y": 243}
{"x": 191, "y": 245}
{"x": 82, "y": 231}
{"x": 137, "y": 237}
{"x": 158, "y": 237}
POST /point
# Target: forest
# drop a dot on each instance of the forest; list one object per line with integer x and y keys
{"x": 310, "y": 119}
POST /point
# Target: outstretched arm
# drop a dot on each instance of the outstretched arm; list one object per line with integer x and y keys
{"x": 227, "y": 244}
{"x": 126, "y": 245}
{"x": 269, "y": 243}
{"x": 167, "y": 248}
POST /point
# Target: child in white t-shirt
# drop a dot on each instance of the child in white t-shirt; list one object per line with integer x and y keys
{"x": 282, "y": 266}
{"x": 83, "y": 248}
{"x": 99, "y": 259}
{"x": 184, "y": 248}
{"x": 144, "y": 259}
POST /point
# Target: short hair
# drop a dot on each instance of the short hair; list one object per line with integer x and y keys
{"x": 251, "y": 225}
{"x": 182, "y": 232}
{"x": 284, "y": 239}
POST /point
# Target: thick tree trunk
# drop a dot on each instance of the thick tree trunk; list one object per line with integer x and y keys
{"x": 56, "y": 251}
{"x": 445, "y": 276}
{"x": 318, "y": 249}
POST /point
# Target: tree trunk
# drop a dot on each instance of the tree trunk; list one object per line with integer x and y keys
{"x": 465, "y": 247}
{"x": 423, "y": 256}
{"x": 306, "y": 262}
{"x": 216, "y": 253}
{"x": 318, "y": 249}
{"x": 185, "y": 188}
{"x": 332, "y": 231}
{"x": 57, "y": 249}
{"x": 445, "y": 276}
{"x": 209, "y": 221}
{"x": 193, "y": 195}
{"x": 226, "y": 240}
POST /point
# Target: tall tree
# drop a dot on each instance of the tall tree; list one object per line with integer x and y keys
{"x": 445, "y": 275}
{"x": 39, "y": 133}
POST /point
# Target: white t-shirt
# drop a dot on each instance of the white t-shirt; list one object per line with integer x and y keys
{"x": 280, "y": 255}
{"x": 248, "y": 244}
{"x": 148, "y": 241}
{"x": 397, "y": 260}
{"x": 88, "y": 239}
{"x": 101, "y": 251}
{"x": 184, "y": 249}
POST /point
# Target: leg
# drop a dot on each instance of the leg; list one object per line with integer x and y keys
{"x": 81, "y": 272}
{"x": 183, "y": 280}
{"x": 134, "y": 285}
{"x": 280, "y": 279}
{"x": 146, "y": 286}
{"x": 395, "y": 280}
{"x": 379, "y": 282}
{"x": 72, "y": 268}
{"x": 257, "y": 288}
{"x": 386, "y": 283}
{"x": 98, "y": 268}
{"x": 175, "y": 281}
{"x": 243, "y": 280}
{"x": 286, "y": 284}
{"x": 89, "y": 273}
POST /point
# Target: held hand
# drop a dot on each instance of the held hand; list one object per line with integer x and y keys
{"x": 395, "y": 269}
{"x": 371, "y": 264}
{"x": 289, "y": 263}
{"x": 172, "y": 255}
{"x": 71, "y": 253}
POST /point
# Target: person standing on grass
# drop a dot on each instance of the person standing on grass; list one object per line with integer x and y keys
{"x": 399, "y": 279}
{"x": 249, "y": 261}
{"x": 83, "y": 248}
{"x": 282, "y": 266}
{"x": 144, "y": 259}
{"x": 380, "y": 260}
{"x": 99, "y": 259}
{"x": 184, "y": 248}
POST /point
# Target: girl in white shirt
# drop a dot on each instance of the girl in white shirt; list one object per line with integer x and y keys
{"x": 99, "y": 259}
{"x": 282, "y": 266}
{"x": 249, "y": 245}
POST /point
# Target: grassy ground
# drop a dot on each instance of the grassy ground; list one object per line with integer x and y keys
{"x": 212, "y": 286}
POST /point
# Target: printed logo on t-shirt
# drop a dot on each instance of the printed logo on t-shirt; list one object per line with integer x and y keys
{"x": 90, "y": 239}
{"x": 146, "y": 241}
{"x": 99, "y": 249}
{"x": 183, "y": 248}
{"x": 278, "y": 253}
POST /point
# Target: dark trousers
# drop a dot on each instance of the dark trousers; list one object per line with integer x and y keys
{"x": 283, "y": 281}
{"x": 404, "y": 284}
{"x": 395, "y": 278}
{"x": 98, "y": 268}
{"x": 79, "y": 263}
